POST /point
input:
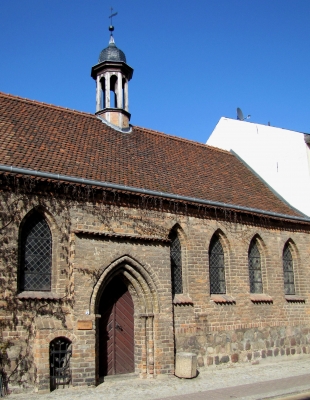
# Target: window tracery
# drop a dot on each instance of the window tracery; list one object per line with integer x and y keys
{"x": 176, "y": 264}
{"x": 217, "y": 267}
{"x": 255, "y": 270}
{"x": 288, "y": 270}
{"x": 36, "y": 254}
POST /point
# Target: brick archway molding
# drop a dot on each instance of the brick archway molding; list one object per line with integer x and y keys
{"x": 143, "y": 283}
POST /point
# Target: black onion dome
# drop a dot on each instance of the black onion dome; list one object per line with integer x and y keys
{"x": 112, "y": 53}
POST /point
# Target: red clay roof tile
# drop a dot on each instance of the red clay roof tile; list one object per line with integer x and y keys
{"x": 57, "y": 140}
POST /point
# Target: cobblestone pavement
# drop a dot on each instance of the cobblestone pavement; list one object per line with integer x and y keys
{"x": 268, "y": 379}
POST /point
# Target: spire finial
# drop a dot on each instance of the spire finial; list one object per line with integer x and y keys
{"x": 111, "y": 27}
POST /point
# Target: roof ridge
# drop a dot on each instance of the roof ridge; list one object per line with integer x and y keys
{"x": 33, "y": 135}
{"x": 151, "y": 131}
{"x": 148, "y": 130}
{"x": 43, "y": 104}
{"x": 189, "y": 141}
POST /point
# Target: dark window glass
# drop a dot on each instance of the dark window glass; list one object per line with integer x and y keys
{"x": 176, "y": 264}
{"x": 217, "y": 267}
{"x": 255, "y": 270}
{"x": 36, "y": 254}
{"x": 289, "y": 286}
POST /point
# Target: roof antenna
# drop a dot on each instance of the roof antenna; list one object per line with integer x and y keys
{"x": 240, "y": 116}
{"x": 111, "y": 27}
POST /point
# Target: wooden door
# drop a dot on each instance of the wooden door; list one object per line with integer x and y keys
{"x": 116, "y": 330}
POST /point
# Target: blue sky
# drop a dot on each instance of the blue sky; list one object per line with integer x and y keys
{"x": 194, "y": 61}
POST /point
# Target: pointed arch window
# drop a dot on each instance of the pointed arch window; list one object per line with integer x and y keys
{"x": 255, "y": 270}
{"x": 176, "y": 264}
{"x": 288, "y": 270}
{"x": 36, "y": 254}
{"x": 217, "y": 267}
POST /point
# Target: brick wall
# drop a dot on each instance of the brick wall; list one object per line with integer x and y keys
{"x": 92, "y": 242}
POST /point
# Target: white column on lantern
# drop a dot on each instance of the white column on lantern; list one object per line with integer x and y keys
{"x": 119, "y": 91}
{"x": 98, "y": 94}
{"x": 107, "y": 90}
{"x": 126, "y": 96}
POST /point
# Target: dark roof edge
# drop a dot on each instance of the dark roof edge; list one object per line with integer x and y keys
{"x": 267, "y": 184}
{"x": 109, "y": 185}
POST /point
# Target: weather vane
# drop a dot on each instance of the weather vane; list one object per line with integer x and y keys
{"x": 111, "y": 27}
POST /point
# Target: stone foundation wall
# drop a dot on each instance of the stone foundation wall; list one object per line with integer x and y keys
{"x": 246, "y": 345}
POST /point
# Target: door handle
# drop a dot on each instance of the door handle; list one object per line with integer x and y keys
{"x": 117, "y": 326}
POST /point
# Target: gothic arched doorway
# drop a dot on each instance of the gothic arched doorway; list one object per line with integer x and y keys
{"x": 116, "y": 330}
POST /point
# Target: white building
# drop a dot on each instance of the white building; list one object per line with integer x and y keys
{"x": 279, "y": 156}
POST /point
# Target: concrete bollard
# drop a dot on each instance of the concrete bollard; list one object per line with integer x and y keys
{"x": 186, "y": 365}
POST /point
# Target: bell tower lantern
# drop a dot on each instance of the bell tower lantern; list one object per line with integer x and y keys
{"x": 112, "y": 75}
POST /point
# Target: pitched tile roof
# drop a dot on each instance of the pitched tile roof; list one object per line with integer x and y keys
{"x": 53, "y": 139}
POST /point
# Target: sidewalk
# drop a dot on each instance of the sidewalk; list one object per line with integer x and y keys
{"x": 275, "y": 389}
{"x": 283, "y": 376}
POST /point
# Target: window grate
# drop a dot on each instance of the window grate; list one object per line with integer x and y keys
{"x": 288, "y": 270}
{"x": 36, "y": 254}
{"x": 60, "y": 355}
{"x": 255, "y": 271}
{"x": 176, "y": 265}
{"x": 217, "y": 267}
